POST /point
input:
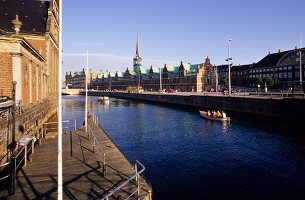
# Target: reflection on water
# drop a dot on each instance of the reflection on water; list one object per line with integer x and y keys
{"x": 188, "y": 157}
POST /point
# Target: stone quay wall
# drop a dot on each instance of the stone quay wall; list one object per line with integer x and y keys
{"x": 288, "y": 110}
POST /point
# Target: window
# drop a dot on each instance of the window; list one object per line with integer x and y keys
{"x": 280, "y": 75}
{"x": 290, "y": 67}
{"x": 285, "y": 75}
{"x": 280, "y": 68}
{"x": 297, "y": 67}
{"x": 297, "y": 74}
{"x": 289, "y": 74}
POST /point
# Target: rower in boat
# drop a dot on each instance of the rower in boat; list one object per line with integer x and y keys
{"x": 213, "y": 116}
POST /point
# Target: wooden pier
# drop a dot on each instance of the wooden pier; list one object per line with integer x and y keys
{"x": 84, "y": 174}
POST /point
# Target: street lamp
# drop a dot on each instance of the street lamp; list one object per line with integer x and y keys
{"x": 14, "y": 143}
{"x": 216, "y": 76}
{"x": 301, "y": 75}
{"x": 229, "y": 58}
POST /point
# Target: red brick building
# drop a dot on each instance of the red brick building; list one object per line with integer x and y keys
{"x": 29, "y": 49}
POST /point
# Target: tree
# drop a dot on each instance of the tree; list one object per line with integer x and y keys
{"x": 224, "y": 80}
{"x": 269, "y": 81}
{"x": 276, "y": 82}
{"x": 257, "y": 80}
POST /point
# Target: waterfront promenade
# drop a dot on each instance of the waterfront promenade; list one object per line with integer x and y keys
{"x": 84, "y": 176}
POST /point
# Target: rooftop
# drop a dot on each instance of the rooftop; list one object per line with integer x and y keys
{"x": 32, "y": 13}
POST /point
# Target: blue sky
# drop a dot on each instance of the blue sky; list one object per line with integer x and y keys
{"x": 175, "y": 30}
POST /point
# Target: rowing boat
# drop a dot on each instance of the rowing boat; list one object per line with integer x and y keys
{"x": 205, "y": 115}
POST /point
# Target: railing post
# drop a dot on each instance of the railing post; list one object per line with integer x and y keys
{"x": 104, "y": 165}
{"x": 14, "y": 175}
{"x": 150, "y": 195}
{"x": 25, "y": 154}
{"x": 137, "y": 180}
{"x": 33, "y": 143}
{"x": 40, "y": 136}
{"x": 71, "y": 149}
{"x": 43, "y": 130}
{"x": 74, "y": 124}
{"x": 93, "y": 148}
{"x": 97, "y": 121}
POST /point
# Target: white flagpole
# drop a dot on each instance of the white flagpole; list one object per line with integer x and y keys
{"x": 86, "y": 104}
{"x": 160, "y": 80}
{"x": 59, "y": 174}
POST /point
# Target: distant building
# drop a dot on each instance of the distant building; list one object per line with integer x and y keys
{"x": 282, "y": 67}
{"x": 185, "y": 77}
{"x": 76, "y": 80}
{"x": 278, "y": 70}
{"x": 240, "y": 75}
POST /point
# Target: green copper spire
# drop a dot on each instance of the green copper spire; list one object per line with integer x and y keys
{"x": 137, "y": 60}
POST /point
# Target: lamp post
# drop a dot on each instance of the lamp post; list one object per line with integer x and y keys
{"x": 301, "y": 75}
{"x": 216, "y": 77}
{"x": 160, "y": 80}
{"x": 300, "y": 53}
{"x": 229, "y": 58}
{"x": 13, "y": 144}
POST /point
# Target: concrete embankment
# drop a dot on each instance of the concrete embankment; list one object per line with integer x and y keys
{"x": 288, "y": 110}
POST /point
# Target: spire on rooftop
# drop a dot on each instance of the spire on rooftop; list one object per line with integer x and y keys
{"x": 137, "y": 46}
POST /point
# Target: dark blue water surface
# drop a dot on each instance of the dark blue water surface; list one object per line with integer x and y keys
{"x": 188, "y": 157}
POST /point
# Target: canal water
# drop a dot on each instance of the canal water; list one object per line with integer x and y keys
{"x": 188, "y": 157}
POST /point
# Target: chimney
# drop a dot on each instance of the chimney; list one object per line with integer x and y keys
{"x": 269, "y": 52}
{"x": 279, "y": 50}
{"x": 17, "y": 24}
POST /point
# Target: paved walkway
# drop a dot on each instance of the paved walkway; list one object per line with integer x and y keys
{"x": 82, "y": 170}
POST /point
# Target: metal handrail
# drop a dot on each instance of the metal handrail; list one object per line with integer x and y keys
{"x": 5, "y": 165}
{"x": 121, "y": 185}
{"x": 100, "y": 147}
{"x": 55, "y": 122}
{"x": 17, "y": 155}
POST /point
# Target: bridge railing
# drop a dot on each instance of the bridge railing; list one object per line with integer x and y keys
{"x": 136, "y": 176}
{"x": 5, "y": 176}
{"x": 95, "y": 142}
{"x": 20, "y": 159}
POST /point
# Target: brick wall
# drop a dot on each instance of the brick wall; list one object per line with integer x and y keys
{"x": 6, "y": 77}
